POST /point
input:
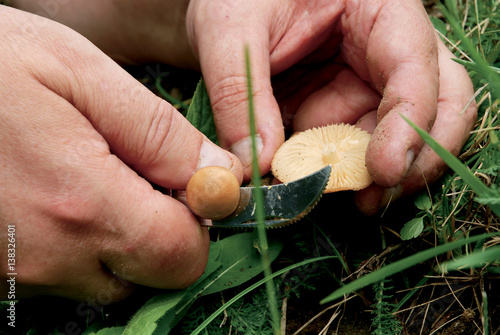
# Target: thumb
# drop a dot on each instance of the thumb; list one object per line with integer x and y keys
{"x": 220, "y": 48}
{"x": 144, "y": 131}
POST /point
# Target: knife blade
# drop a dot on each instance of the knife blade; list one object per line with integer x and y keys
{"x": 283, "y": 203}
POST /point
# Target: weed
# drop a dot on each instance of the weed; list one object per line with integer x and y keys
{"x": 384, "y": 321}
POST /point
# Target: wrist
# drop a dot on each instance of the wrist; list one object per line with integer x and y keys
{"x": 129, "y": 31}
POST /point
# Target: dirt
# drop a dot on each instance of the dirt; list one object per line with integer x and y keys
{"x": 354, "y": 320}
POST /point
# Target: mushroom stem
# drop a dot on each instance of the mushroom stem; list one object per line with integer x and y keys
{"x": 330, "y": 154}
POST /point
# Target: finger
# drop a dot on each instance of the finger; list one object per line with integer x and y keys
{"x": 456, "y": 110}
{"x": 368, "y": 121}
{"x": 157, "y": 241}
{"x": 221, "y": 52}
{"x": 403, "y": 66}
{"x": 344, "y": 100}
{"x": 295, "y": 85}
{"x": 85, "y": 217}
{"x": 103, "y": 226}
{"x": 143, "y": 130}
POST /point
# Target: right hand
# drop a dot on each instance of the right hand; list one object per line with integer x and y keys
{"x": 77, "y": 134}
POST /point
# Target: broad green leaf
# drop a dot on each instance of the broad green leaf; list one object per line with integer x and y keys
{"x": 239, "y": 249}
{"x": 253, "y": 287}
{"x": 474, "y": 260}
{"x": 454, "y": 163}
{"x": 232, "y": 261}
{"x": 200, "y": 113}
{"x": 423, "y": 202}
{"x": 145, "y": 321}
{"x": 439, "y": 25}
{"x": 412, "y": 228}
{"x": 240, "y": 262}
{"x": 400, "y": 265}
{"x": 167, "y": 321}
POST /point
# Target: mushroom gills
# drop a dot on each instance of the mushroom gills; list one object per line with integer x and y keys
{"x": 330, "y": 154}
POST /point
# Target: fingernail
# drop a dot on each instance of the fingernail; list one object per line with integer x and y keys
{"x": 212, "y": 155}
{"x": 243, "y": 149}
{"x": 410, "y": 157}
{"x": 391, "y": 195}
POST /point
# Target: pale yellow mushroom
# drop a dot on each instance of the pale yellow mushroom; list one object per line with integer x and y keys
{"x": 342, "y": 146}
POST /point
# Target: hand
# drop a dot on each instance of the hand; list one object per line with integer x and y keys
{"x": 351, "y": 61}
{"x": 365, "y": 62}
{"x": 76, "y": 132}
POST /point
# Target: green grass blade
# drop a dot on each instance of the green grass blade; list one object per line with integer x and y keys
{"x": 334, "y": 249}
{"x": 167, "y": 96}
{"x": 253, "y": 287}
{"x": 400, "y": 265}
{"x": 474, "y": 260}
{"x": 412, "y": 292}
{"x": 454, "y": 163}
{"x": 482, "y": 66}
{"x": 259, "y": 201}
{"x": 485, "y": 316}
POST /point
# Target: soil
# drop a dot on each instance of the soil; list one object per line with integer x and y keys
{"x": 353, "y": 321}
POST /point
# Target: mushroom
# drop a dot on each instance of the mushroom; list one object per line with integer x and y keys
{"x": 342, "y": 146}
{"x": 213, "y": 192}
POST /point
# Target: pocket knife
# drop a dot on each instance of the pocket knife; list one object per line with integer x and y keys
{"x": 283, "y": 203}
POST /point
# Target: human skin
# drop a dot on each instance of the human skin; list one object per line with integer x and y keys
{"x": 363, "y": 62}
{"x": 313, "y": 63}
{"x": 79, "y": 141}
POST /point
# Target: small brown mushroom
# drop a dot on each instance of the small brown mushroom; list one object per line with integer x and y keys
{"x": 213, "y": 192}
{"x": 342, "y": 146}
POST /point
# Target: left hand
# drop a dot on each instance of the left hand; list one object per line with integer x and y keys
{"x": 364, "y": 62}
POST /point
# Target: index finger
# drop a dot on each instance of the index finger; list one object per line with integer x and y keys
{"x": 392, "y": 45}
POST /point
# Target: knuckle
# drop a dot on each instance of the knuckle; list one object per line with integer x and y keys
{"x": 229, "y": 93}
{"x": 159, "y": 133}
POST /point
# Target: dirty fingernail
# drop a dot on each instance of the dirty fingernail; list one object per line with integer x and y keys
{"x": 391, "y": 195}
{"x": 410, "y": 157}
{"x": 212, "y": 155}
{"x": 243, "y": 149}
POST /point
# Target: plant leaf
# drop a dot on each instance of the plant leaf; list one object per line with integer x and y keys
{"x": 482, "y": 67}
{"x": 200, "y": 113}
{"x": 474, "y": 260}
{"x": 232, "y": 261}
{"x": 253, "y": 287}
{"x": 108, "y": 331}
{"x": 423, "y": 202}
{"x": 259, "y": 201}
{"x": 438, "y": 24}
{"x": 146, "y": 318}
{"x": 240, "y": 262}
{"x": 454, "y": 163}
{"x": 400, "y": 265}
{"x": 240, "y": 249}
{"x": 412, "y": 228}
{"x": 167, "y": 321}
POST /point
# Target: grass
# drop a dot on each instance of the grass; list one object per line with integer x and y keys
{"x": 442, "y": 275}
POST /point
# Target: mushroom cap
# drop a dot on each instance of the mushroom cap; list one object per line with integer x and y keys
{"x": 342, "y": 146}
{"x": 213, "y": 192}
